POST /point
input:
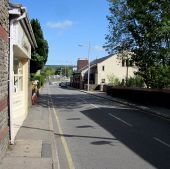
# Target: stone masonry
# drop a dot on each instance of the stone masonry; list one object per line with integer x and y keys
{"x": 4, "y": 64}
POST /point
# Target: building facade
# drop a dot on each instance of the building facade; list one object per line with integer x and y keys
{"x": 16, "y": 41}
{"x": 111, "y": 66}
{"x": 4, "y": 62}
{"x": 104, "y": 69}
{"x": 21, "y": 41}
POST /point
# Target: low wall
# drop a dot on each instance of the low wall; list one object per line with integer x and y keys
{"x": 92, "y": 87}
{"x": 155, "y": 97}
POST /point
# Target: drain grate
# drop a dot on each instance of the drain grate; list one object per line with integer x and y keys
{"x": 46, "y": 150}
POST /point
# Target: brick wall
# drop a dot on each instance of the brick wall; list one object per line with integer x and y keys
{"x": 4, "y": 52}
{"x": 81, "y": 63}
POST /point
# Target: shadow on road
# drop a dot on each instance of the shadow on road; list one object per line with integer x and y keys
{"x": 140, "y": 143}
{"x": 132, "y": 136}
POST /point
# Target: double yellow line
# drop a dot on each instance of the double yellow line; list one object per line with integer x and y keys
{"x": 63, "y": 140}
{"x": 64, "y": 143}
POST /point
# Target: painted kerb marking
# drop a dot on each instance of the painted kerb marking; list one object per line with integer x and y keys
{"x": 63, "y": 140}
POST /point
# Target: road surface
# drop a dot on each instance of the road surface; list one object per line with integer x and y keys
{"x": 95, "y": 133}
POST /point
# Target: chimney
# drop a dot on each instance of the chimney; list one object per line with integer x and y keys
{"x": 81, "y": 63}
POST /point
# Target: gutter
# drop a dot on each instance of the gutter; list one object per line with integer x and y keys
{"x": 22, "y": 17}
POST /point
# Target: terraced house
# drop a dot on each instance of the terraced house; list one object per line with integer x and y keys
{"x": 16, "y": 40}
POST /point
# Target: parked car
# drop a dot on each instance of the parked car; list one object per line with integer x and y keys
{"x": 63, "y": 84}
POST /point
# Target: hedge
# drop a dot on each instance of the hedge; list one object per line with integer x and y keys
{"x": 154, "y": 97}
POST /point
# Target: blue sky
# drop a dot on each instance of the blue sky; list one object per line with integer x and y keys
{"x": 68, "y": 23}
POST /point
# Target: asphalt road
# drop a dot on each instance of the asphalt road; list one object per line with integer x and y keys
{"x": 94, "y": 133}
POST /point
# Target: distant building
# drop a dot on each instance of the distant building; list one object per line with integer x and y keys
{"x": 81, "y": 63}
{"x": 102, "y": 69}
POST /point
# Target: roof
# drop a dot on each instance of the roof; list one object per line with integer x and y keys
{"x": 96, "y": 61}
{"x": 81, "y": 63}
{"x": 19, "y": 13}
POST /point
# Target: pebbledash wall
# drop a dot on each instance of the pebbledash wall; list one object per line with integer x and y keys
{"x": 4, "y": 62}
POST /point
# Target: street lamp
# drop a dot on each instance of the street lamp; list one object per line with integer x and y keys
{"x": 88, "y": 78}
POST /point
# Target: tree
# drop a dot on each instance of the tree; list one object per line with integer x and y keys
{"x": 40, "y": 54}
{"x": 119, "y": 37}
{"x": 48, "y": 71}
{"x": 143, "y": 27}
{"x": 149, "y": 24}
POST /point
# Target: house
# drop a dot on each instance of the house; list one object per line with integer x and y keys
{"x": 21, "y": 41}
{"x": 101, "y": 70}
{"x": 104, "y": 68}
{"x": 76, "y": 80}
{"x": 4, "y": 62}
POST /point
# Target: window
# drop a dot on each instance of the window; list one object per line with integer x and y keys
{"x": 103, "y": 68}
{"x": 123, "y": 63}
{"x": 18, "y": 75}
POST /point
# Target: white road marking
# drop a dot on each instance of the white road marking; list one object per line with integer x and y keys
{"x": 163, "y": 142}
{"x": 94, "y": 106}
{"x": 83, "y": 100}
{"x": 130, "y": 125}
{"x": 90, "y": 104}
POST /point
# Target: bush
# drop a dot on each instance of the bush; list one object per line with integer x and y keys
{"x": 113, "y": 80}
{"x": 154, "y": 97}
{"x": 136, "y": 81}
{"x": 40, "y": 78}
{"x": 160, "y": 76}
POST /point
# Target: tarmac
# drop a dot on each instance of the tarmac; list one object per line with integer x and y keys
{"x": 35, "y": 145}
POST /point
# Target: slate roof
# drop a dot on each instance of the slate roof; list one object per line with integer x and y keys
{"x": 100, "y": 59}
{"x": 96, "y": 61}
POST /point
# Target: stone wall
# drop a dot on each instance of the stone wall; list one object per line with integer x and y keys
{"x": 4, "y": 64}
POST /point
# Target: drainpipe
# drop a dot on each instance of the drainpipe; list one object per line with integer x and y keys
{"x": 11, "y": 81}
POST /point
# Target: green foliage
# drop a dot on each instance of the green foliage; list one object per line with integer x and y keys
{"x": 159, "y": 76}
{"x": 58, "y": 70}
{"x": 64, "y": 70}
{"x": 142, "y": 27}
{"x": 113, "y": 80}
{"x": 119, "y": 38}
{"x": 136, "y": 81}
{"x": 40, "y": 78}
{"x": 40, "y": 54}
{"x": 48, "y": 71}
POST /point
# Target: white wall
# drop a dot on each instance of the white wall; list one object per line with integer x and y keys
{"x": 113, "y": 66}
{"x": 18, "y": 100}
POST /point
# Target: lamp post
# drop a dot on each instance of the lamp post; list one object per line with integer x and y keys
{"x": 88, "y": 77}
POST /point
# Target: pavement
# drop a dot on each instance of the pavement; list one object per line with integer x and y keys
{"x": 35, "y": 145}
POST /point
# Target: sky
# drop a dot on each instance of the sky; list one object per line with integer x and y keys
{"x": 69, "y": 26}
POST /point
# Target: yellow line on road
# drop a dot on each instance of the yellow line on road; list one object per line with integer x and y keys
{"x": 64, "y": 143}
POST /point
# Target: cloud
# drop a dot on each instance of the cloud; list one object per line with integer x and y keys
{"x": 99, "y": 48}
{"x": 60, "y": 25}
